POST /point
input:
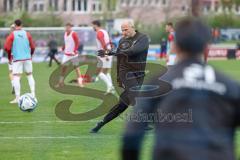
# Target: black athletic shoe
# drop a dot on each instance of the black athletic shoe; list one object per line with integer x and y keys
{"x": 13, "y": 90}
{"x": 97, "y": 128}
{"x": 73, "y": 81}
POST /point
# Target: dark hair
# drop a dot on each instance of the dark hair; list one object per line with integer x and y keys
{"x": 192, "y": 36}
{"x": 69, "y": 24}
{"x": 170, "y": 24}
{"x": 97, "y": 23}
{"x": 18, "y": 22}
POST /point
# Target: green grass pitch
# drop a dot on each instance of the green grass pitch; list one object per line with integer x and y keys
{"x": 40, "y": 135}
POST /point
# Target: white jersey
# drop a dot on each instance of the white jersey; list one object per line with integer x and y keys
{"x": 69, "y": 44}
{"x": 102, "y": 35}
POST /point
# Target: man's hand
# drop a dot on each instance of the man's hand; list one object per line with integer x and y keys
{"x": 101, "y": 53}
{"x": 124, "y": 45}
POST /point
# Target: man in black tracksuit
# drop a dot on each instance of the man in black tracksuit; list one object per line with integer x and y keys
{"x": 53, "y": 50}
{"x": 198, "y": 118}
{"x": 131, "y": 62}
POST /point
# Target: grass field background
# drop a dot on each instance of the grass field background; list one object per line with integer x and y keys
{"x": 40, "y": 135}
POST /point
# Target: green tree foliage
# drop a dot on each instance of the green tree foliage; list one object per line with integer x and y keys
{"x": 227, "y": 3}
{"x": 224, "y": 21}
{"x": 230, "y": 3}
{"x": 155, "y": 32}
{"x": 43, "y": 20}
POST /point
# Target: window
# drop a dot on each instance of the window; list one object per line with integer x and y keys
{"x": 183, "y": 8}
{"x": 65, "y": 5}
{"x": 164, "y": 2}
{"x": 38, "y": 6}
{"x": 149, "y": 2}
{"x": 135, "y": 2}
{"x": 56, "y": 5}
{"x": 41, "y": 7}
{"x": 8, "y": 5}
{"x": 20, "y": 4}
{"x": 11, "y": 5}
{"x": 26, "y": 5}
{"x": 73, "y": 5}
{"x": 96, "y": 6}
{"x": 5, "y": 5}
{"x": 208, "y": 7}
{"x": 237, "y": 8}
{"x": 50, "y": 4}
{"x": 111, "y": 5}
{"x": 53, "y": 4}
{"x": 35, "y": 7}
{"x": 79, "y": 5}
{"x": 85, "y": 5}
{"x": 128, "y": 2}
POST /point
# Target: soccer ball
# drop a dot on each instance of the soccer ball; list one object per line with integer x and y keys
{"x": 27, "y": 102}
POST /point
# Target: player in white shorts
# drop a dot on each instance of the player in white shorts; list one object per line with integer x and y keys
{"x": 104, "y": 63}
{"x": 171, "y": 56}
{"x": 20, "y": 46}
{"x": 70, "y": 49}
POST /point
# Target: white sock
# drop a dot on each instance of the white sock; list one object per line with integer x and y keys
{"x": 110, "y": 78}
{"x": 105, "y": 79}
{"x": 17, "y": 86}
{"x": 12, "y": 82}
{"x": 80, "y": 80}
{"x": 31, "y": 83}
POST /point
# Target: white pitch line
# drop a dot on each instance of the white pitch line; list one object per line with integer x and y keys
{"x": 37, "y": 122}
{"x": 66, "y": 137}
{"x": 33, "y": 122}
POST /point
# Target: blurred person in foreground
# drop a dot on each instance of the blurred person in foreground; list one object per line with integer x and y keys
{"x": 198, "y": 118}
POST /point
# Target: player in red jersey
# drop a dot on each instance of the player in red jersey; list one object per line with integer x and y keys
{"x": 104, "y": 63}
{"x": 171, "y": 55}
{"x": 70, "y": 49}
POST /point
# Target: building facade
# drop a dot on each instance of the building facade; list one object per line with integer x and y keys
{"x": 78, "y": 12}
{"x": 154, "y": 11}
{"x": 82, "y": 12}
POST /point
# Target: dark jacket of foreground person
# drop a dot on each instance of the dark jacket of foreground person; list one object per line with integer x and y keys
{"x": 198, "y": 118}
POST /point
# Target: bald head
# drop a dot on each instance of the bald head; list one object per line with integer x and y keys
{"x": 128, "y": 29}
{"x": 128, "y": 23}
